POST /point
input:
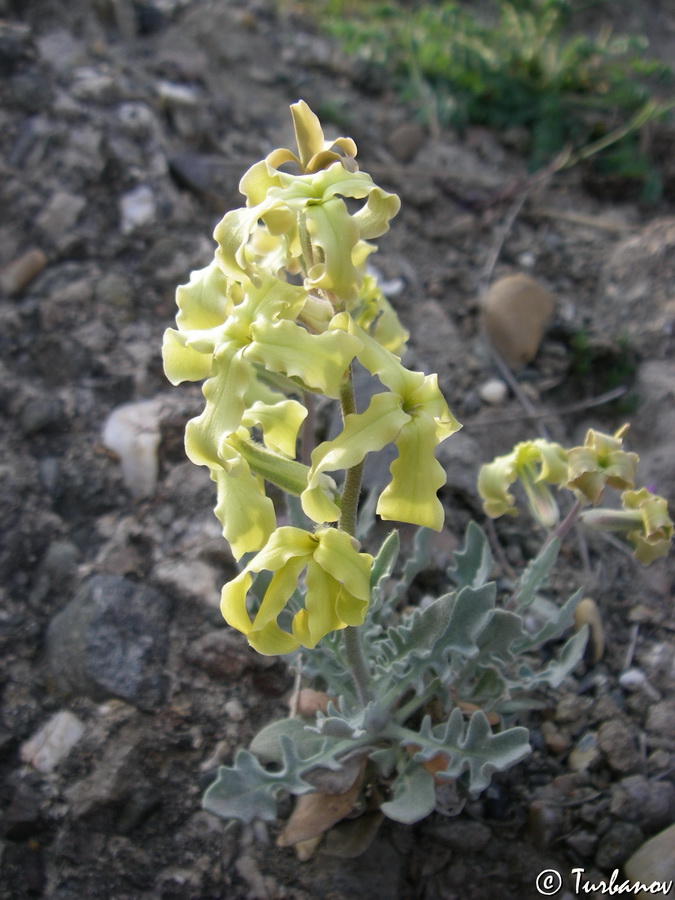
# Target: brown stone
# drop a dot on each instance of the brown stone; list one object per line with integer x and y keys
{"x": 516, "y": 313}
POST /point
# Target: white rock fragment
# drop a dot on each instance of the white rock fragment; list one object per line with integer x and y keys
{"x": 494, "y": 391}
{"x": 89, "y": 83}
{"x": 174, "y": 94}
{"x": 54, "y": 741}
{"x": 137, "y": 208}
{"x": 633, "y": 680}
{"x": 235, "y": 710}
{"x": 132, "y": 432}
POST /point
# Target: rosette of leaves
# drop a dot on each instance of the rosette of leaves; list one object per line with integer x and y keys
{"x": 447, "y": 682}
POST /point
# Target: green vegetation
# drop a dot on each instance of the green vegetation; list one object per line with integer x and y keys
{"x": 519, "y": 70}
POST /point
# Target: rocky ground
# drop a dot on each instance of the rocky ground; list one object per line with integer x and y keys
{"x": 124, "y": 129}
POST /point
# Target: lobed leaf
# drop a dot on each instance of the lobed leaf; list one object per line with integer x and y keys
{"x": 474, "y": 748}
{"x": 473, "y": 563}
{"x": 414, "y": 796}
{"x": 248, "y": 791}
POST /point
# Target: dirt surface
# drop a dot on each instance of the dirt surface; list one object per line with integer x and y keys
{"x": 124, "y": 129}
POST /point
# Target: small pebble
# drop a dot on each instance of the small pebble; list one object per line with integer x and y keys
{"x": 629, "y": 797}
{"x": 40, "y": 413}
{"x": 173, "y": 94}
{"x": 586, "y": 754}
{"x": 137, "y": 208}
{"x": 60, "y": 214}
{"x": 661, "y": 719}
{"x": 112, "y": 640}
{"x": 54, "y": 741}
{"x": 583, "y": 842}
{"x": 555, "y": 740}
{"x": 617, "y": 844}
{"x": 545, "y": 823}
{"x": 235, "y": 710}
{"x": 634, "y": 680}
{"x": 493, "y": 391}
{"x": 649, "y": 803}
{"x": 132, "y": 432}
{"x": 16, "y": 275}
{"x": 619, "y": 746}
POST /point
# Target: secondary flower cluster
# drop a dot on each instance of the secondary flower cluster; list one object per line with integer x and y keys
{"x": 283, "y": 310}
{"x": 587, "y": 471}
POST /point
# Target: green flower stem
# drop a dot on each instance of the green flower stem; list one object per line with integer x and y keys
{"x": 348, "y": 519}
{"x": 567, "y": 523}
{"x": 560, "y": 532}
{"x": 306, "y": 246}
{"x": 307, "y": 435}
{"x": 358, "y": 664}
{"x": 352, "y": 485}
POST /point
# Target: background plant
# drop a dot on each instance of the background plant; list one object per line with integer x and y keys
{"x": 515, "y": 64}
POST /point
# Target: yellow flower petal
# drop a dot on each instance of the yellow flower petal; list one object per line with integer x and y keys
{"x": 319, "y": 616}
{"x": 280, "y": 423}
{"x": 337, "y": 554}
{"x": 224, "y": 393}
{"x": 494, "y": 480}
{"x": 337, "y": 588}
{"x": 416, "y": 477}
{"x": 654, "y": 539}
{"x": 245, "y": 512}
{"x": 601, "y": 462}
{"x": 319, "y": 360}
{"x": 182, "y": 362}
{"x": 204, "y": 301}
{"x": 362, "y": 433}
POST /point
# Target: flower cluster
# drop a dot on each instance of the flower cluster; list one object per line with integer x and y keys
{"x": 281, "y": 313}
{"x": 587, "y": 471}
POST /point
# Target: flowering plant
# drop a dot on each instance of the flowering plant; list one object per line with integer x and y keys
{"x": 409, "y": 706}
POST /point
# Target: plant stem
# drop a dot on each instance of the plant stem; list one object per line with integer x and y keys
{"x": 560, "y": 532}
{"x": 352, "y": 485}
{"x": 348, "y": 518}
{"x": 357, "y": 664}
{"x": 566, "y": 524}
{"x": 307, "y": 435}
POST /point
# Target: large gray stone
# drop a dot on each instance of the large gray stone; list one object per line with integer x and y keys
{"x": 112, "y": 641}
{"x": 637, "y": 299}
